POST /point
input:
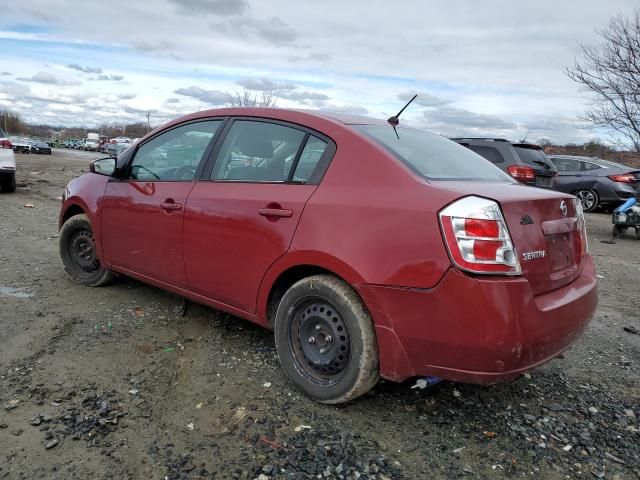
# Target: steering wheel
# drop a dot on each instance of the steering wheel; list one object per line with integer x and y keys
{"x": 186, "y": 172}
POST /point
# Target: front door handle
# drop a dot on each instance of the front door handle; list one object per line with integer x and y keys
{"x": 169, "y": 205}
{"x": 275, "y": 212}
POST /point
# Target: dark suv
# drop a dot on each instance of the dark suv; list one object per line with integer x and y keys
{"x": 525, "y": 162}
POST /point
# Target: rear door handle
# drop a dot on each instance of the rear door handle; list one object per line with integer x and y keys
{"x": 275, "y": 212}
{"x": 171, "y": 206}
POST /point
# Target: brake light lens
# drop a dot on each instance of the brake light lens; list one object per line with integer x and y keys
{"x": 624, "y": 178}
{"x": 5, "y": 144}
{"x": 580, "y": 243}
{"x": 477, "y": 237}
{"x": 522, "y": 173}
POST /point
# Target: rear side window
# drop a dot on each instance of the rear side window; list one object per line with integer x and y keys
{"x": 309, "y": 159}
{"x": 590, "y": 166}
{"x": 566, "y": 165}
{"x": 490, "y": 153}
{"x": 434, "y": 157}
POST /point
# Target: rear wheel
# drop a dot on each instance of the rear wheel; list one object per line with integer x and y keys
{"x": 589, "y": 199}
{"x": 78, "y": 252}
{"x": 326, "y": 341}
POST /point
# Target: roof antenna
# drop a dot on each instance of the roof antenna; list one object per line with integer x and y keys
{"x": 524, "y": 140}
{"x": 395, "y": 120}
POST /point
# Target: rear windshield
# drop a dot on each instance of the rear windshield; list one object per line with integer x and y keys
{"x": 434, "y": 157}
{"x": 534, "y": 156}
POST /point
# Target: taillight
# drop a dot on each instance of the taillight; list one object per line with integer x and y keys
{"x": 477, "y": 237}
{"x": 522, "y": 173}
{"x": 580, "y": 243}
{"x": 5, "y": 144}
{"x": 624, "y": 178}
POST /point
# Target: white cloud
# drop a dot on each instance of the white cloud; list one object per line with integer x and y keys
{"x": 494, "y": 66}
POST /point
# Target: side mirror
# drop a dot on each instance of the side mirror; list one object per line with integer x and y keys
{"x": 103, "y": 166}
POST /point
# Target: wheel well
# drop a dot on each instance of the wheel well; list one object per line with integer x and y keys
{"x": 286, "y": 280}
{"x": 72, "y": 211}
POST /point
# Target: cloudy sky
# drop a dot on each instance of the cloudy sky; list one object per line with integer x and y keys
{"x": 480, "y": 68}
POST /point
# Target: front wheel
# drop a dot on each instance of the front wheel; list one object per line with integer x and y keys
{"x": 78, "y": 252}
{"x": 589, "y": 199}
{"x": 326, "y": 340}
{"x": 618, "y": 231}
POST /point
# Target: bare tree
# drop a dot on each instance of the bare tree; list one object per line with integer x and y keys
{"x": 611, "y": 70}
{"x": 268, "y": 98}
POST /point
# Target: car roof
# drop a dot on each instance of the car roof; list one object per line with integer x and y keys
{"x": 281, "y": 113}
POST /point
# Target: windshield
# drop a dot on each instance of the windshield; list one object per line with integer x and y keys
{"x": 433, "y": 156}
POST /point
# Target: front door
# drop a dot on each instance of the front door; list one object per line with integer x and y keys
{"x": 143, "y": 214}
{"x": 243, "y": 217}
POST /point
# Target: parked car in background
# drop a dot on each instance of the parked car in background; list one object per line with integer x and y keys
{"x": 40, "y": 148}
{"x": 248, "y": 210}
{"x": 7, "y": 164}
{"x": 594, "y": 181}
{"x": 21, "y": 145}
{"x": 114, "y": 149}
{"x": 525, "y": 162}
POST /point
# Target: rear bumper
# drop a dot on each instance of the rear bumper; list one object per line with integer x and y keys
{"x": 477, "y": 330}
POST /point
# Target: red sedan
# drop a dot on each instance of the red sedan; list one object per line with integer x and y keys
{"x": 371, "y": 252}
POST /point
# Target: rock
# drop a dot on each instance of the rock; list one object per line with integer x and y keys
{"x": 262, "y": 476}
{"x": 555, "y": 407}
{"x": 16, "y": 432}
{"x": 12, "y": 404}
{"x": 268, "y": 469}
{"x": 50, "y": 444}
{"x": 3, "y": 425}
{"x": 593, "y": 410}
{"x": 629, "y": 413}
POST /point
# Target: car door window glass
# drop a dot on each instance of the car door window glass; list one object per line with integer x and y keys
{"x": 309, "y": 158}
{"x": 589, "y": 166}
{"x": 566, "y": 165}
{"x": 257, "y": 152}
{"x": 174, "y": 155}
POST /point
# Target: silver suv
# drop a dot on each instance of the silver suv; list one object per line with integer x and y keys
{"x": 7, "y": 165}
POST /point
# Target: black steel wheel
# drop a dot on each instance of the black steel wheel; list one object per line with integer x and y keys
{"x": 326, "y": 340}
{"x": 320, "y": 341}
{"x": 78, "y": 252}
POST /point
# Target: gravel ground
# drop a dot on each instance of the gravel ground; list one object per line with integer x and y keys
{"x": 119, "y": 382}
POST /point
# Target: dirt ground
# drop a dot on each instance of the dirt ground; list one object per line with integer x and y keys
{"x": 118, "y": 382}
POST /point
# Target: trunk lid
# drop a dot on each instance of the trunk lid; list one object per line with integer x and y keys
{"x": 546, "y": 229}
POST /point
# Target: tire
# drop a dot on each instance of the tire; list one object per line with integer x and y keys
{"x": 618, "y": 231}
{"x": 326, "y": 341}
{"x": 9, "y": 184}
{"x": 589, "y": 199}
{"x": 78, "y": 253}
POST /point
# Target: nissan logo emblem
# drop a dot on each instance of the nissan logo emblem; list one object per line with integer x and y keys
{"x": 563, "y": 208}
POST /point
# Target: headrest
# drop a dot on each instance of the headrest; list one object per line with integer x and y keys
{"x": 255, "y": 142}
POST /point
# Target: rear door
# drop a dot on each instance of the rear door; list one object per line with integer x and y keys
{"x": 569, "y": 175}
{"x": 241, "y": 217}
{"x": 142, "y": 214}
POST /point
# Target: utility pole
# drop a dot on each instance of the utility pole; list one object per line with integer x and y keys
{"x": 148, "y": 123}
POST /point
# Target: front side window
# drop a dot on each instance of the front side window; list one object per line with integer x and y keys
{"x": 433, "y": 156}
{"x": 175, "y": 154}
{"x": 255, "y": 151}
